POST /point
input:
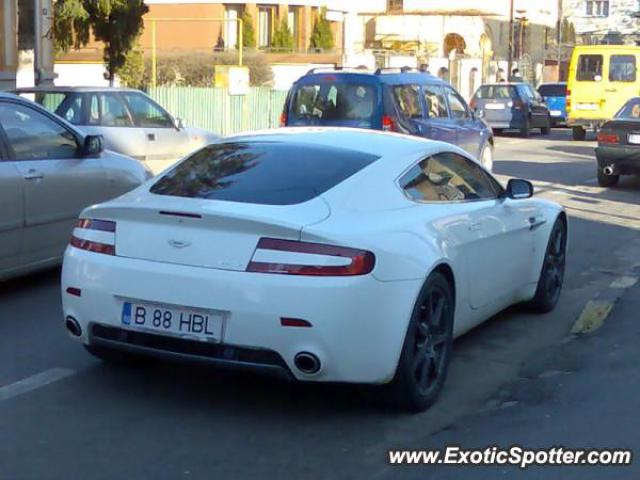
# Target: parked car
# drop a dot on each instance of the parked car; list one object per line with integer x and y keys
{"x": 512, "y": 106}
{"x": 601, "y": 79}
{"x": 325, "y": 255}
{"x": 618, "y": 151}
{"x": 130, "y": 122}
{"x": 49, "y": 172}
{"x": 555, "y": 96}
{"x": 406, "y": 102}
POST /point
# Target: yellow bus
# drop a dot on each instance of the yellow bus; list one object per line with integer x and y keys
{"x": 601, "y": 79}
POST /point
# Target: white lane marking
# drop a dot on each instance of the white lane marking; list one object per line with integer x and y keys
{"x": 624, "y": 282}
{"x": 33, "y": 382}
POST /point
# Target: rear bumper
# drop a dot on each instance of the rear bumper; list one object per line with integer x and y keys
{"x": 585, "y": 122}
{"x": 358, "y": 323}
{"x": 624, "y": 159}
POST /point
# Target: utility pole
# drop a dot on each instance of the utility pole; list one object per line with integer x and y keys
{"x": 510, "y": 54}
{"x": 559, "y": 36}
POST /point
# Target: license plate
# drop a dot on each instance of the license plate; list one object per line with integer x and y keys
{"x": 556, "y": 113}
{"x": 494, "y": 106}
{"x": 634, "y": 138}
{"x": 203, "y": 325}
{"x": 587, "y": 106}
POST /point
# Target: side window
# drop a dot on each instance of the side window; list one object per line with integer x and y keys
{"x": 34, "y": 136}
{"x": 407, "y": 98}
{"x": 622, "y": 68}
{"x": 457, "y": 105}
{"x": 448, "y": 177}
{"x": 434, "y": 99}
{"x": 50, "y": 100}
{"x": 71, "y": 110}
{"x": 589, "y": 68}
{"x": 146, "y": 113}
{"x": 107, "y": 110}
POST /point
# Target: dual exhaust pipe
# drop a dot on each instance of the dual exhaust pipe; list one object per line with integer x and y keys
{"x": 307, "y": 363}
{"x": 73, "y": 327}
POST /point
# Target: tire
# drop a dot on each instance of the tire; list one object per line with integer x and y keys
{"x": 578, "y": 133}
{"x": 553, "y": 267}
{"x": 525, "y": 131}
{"x": 486, "y": 157}
{"x": 545, "y": 130}
{"x": 426, "y": 352}
{"x": 607, "y": 180}
{"x": 113, "y": 356}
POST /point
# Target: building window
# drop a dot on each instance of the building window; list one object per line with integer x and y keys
{"x": 394, "y": 5}
{"x": 598, "y": 8}
{"x": 231, "y": 15}
{"x": 265, "y": 26}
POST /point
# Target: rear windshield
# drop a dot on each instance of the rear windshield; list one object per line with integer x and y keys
{"x": 552, "y": 90}
{"x": 333, "y": 101}
{"x": 622, "y": 68}
{"x": 589, "y": 68}
{"x": 262, "y": 172}
{"x": 630, "y": 110}
{"x": 496, "y": 91}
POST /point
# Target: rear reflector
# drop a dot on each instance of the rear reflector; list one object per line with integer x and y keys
{"x": 96, "y": 236}
{"x": 76, "y": 292}
{"x": 313, "y": 259}
{"x": 605, "y": 137}
{"x": 294, "y": 322}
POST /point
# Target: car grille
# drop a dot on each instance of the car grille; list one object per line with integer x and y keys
{"x": 181, "y": 346}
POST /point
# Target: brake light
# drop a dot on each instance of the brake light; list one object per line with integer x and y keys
{"x": 389, "y": 124}
{"x": 605, "y": 137}
{"x": 98, "y": 236}
{"x": 305, "y": 258}
{"x": 283, "y": 119}
{"x": 568, "y": 104}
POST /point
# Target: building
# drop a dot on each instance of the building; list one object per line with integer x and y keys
{"x": 604, "y": 21}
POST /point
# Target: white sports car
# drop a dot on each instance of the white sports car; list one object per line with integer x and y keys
{"x": 322, "y": 254}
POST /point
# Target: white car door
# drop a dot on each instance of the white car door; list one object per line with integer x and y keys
{"x": 490, "y": 235}
{"x": 11, "y": 214}
{"x": 166, "y": 143}
{"x": 56, "y": 182}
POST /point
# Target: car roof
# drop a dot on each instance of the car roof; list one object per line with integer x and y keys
{"x": 503, "y": 84}
{"x": 382, "y": 77}
{"x": 373, "y": 142}
{"x": 63, "y": 89}
{"x": 552, "y": 83}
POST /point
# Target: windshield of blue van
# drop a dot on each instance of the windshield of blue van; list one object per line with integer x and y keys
{"x": 330, "y": 101}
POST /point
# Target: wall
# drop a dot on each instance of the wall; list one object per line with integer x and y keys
{"x": 620, "y": 19}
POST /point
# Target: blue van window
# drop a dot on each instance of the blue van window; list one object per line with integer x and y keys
{"x": 334, "y": 101}
{"x": 436, "y": 104}
{"x": 408, "y": 100}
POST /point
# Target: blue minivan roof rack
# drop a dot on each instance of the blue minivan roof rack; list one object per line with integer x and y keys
{"x": 337, "y": 68}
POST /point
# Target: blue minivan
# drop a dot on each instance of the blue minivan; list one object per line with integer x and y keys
{"x": 409, "y": 102}
{"x": 555, "y": 96}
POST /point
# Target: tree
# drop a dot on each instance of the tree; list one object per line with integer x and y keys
{"x": 248, "y": 33}
{"x": 322, "y": 36}
{"x": 282, "y": 37}
{"x": 116, "y": 23}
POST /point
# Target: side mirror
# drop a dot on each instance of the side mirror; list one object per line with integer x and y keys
{"x": 519, "y": 189}
{"x": 92, "y": 146}
{"x": 178, "y": 123}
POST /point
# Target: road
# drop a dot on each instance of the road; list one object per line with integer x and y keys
{"x": 65, "y": 415}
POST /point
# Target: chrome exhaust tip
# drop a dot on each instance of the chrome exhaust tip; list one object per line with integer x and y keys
{"x": 73, "y": 327}
{"x": 608, "y": 170}
{"x": 307, "y": 363}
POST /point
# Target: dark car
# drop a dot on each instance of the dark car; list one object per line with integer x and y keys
{"x": 555, "y": 96}
{"x": 512, "y": 106}
{"x": 413, "y": 103}
{"x": 618, "y": 150}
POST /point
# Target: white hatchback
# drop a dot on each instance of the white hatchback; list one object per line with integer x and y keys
{"x": 320, "y": 254}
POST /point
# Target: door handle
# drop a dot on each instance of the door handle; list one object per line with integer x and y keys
{"x": 151, "y": 137}
{"x": 474, "y": 227}
{"x": 535, "y": 222}
{"x": 610, "y": 90}
{"x": 33, "y": 174}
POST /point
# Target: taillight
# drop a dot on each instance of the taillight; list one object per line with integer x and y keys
{"x": 606, "y": 137}
{"x": 305, "y": 258}
{"x": 98, "y": 236}
{"x": 568, "y": 104}
{"x": 283, "y": 119}
{"x": 389, "y": 124}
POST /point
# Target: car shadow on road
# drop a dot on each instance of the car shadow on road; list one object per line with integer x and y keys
{"x": 577, "y": 149}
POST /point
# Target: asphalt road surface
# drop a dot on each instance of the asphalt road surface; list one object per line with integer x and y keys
{"x": 519, "y": 378}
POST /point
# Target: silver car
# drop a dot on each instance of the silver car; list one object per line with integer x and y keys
{"x": 130, "y": 122}
{"x": 49, "y": 172}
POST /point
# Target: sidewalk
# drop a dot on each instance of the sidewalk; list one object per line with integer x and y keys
{"x": 584, "y": 393}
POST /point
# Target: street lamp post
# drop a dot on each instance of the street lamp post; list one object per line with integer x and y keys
{"x": 510, "y": 47}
